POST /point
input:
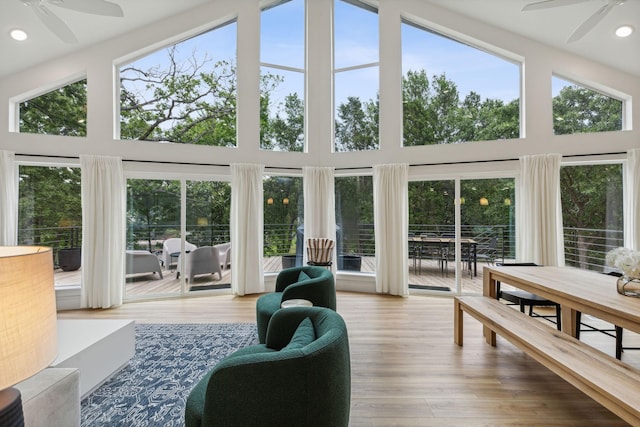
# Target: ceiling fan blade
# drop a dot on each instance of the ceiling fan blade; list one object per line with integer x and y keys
{"x": 591, "y": 22}
{"x": 53, "y": 23}
{"x": 94, "y": 7}
{"x": 547, "y": 4}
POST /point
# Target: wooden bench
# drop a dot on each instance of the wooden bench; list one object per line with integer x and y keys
{"x": 608, "y": 381}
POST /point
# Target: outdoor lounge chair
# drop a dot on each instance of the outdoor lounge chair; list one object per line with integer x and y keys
{"x": 139, "y": 261}
{"x": 203, "y": 260}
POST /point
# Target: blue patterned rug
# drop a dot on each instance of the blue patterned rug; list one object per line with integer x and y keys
{"x": 169, "y": 361}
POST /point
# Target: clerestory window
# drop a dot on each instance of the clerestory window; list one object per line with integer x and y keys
{"x": 62, "y": 111}
{"x": 185, "y": 93}
{"x": 453, "y": 92}
{"x": 578, "y": 109}
{"x": 356, "y": 76}
{"x": 282, "y": 74}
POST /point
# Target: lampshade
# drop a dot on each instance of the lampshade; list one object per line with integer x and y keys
{"x": 28, "y": 324}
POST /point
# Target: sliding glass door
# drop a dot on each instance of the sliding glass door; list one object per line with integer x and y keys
{"x": 177, "y": 237}
{"x": 456, "y": 227}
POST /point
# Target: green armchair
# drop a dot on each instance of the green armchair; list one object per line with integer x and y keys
{"x": 300, "y": 377}
{"x": 315, "y": 284}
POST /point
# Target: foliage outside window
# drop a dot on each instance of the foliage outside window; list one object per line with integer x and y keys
{"x": 183, "y": 94}
{"x": 354, "y": 222}
{"x": 592, "y": 213}
{"x": 455, "y": 93}
{"x": 50, "y": 207}
{"x": 482, "y": 201}
{"x": 356, "y": 76}
{"x": 577, "y": 109}
{"x": 60, "y": 112}
{"x": 282, "y": 76}
{"x": 208, "y": 212}
{"x": 283, "y": 222}
{"x": 153, "y": 213}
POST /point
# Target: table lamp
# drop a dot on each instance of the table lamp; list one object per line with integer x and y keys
{"x": 28, "y": 323}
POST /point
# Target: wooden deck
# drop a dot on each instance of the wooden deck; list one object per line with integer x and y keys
{"x": 139, "y": 286}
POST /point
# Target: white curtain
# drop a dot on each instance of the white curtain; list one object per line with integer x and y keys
{"x": 103, "y": 231}
{"x": 632, "y": 202}
{"x": 539, "y": 211}
{"x": 8, "y": 199}
{"x": 246, "y": 229}
{"x": 391, "y": 217}
{"x": 319, "y": 206}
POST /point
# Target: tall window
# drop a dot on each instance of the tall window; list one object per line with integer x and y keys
{"x": 60, "y": 112}
{"x": 283, "y": 222}
{"x": 591, "y": 213}
{"x": 356, "y": 76}
{"x": 577, "y": 109}
{"x": 50, "y": 214}
{"x": 355, "y": 243}
{"x": 453, "y": 92}
{"x": 185, "y": 93}
{"x": 282, "y": 76}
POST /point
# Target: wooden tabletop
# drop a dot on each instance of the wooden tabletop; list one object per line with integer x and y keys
{"x": 574, "y": 289}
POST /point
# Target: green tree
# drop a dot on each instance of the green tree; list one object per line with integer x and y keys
{"x": 59, "y": 112}
{"x": 357, "y": 125}
{"x": 418, "y": 119}
{"x": 153, "y": 210}
{"x": 283, "y": 213}
{"x": 208, "y": 212}
{"x": 354, "y": 210}
{"x": 285, "y": 132}
{"x": 49, "y": 206}
{"x": 434, "y": 114}
{"x": 182, "y": 101}
{"x": 578, "y": 110}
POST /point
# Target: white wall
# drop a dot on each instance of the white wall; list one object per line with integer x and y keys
{"x": 99, "y": 63}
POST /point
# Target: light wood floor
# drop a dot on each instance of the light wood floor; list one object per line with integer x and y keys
{"x": 406, "y": 369}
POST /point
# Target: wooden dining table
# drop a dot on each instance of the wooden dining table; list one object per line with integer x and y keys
{"x": 576, "y": 290}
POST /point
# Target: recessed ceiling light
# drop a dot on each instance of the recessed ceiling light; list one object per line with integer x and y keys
{"x": 18, "y": 34}
{"x": 624, "y": 31}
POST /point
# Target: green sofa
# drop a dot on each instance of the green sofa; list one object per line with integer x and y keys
{"x": 312, "y": 283}
{"x": 300, "y": 377}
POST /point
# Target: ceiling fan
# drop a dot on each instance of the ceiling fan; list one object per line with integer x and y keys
{"x": 587, "y": 25}
{"x": 57, "y": 26}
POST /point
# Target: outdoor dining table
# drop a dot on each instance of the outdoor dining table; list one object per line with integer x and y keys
{"x": 469, "y": 248}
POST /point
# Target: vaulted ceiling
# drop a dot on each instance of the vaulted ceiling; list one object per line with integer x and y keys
{"x": 549, "y": 26}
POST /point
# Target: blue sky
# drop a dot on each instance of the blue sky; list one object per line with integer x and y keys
{"x": 356, "y": 43}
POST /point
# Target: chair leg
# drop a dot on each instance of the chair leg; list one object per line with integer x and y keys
{"x": 618, "y": 342}
{"x": 578, "y": 317}
{"x": 559, "y": 318}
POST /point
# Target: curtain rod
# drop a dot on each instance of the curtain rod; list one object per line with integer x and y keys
{"x": 338, "y": 169}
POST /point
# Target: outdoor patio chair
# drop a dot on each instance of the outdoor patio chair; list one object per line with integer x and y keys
{"x": 224, "y": 253}
{"x": 203, "y": 260}
{"x": 140, "y": 261}
{"x": 172, "y": 246}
